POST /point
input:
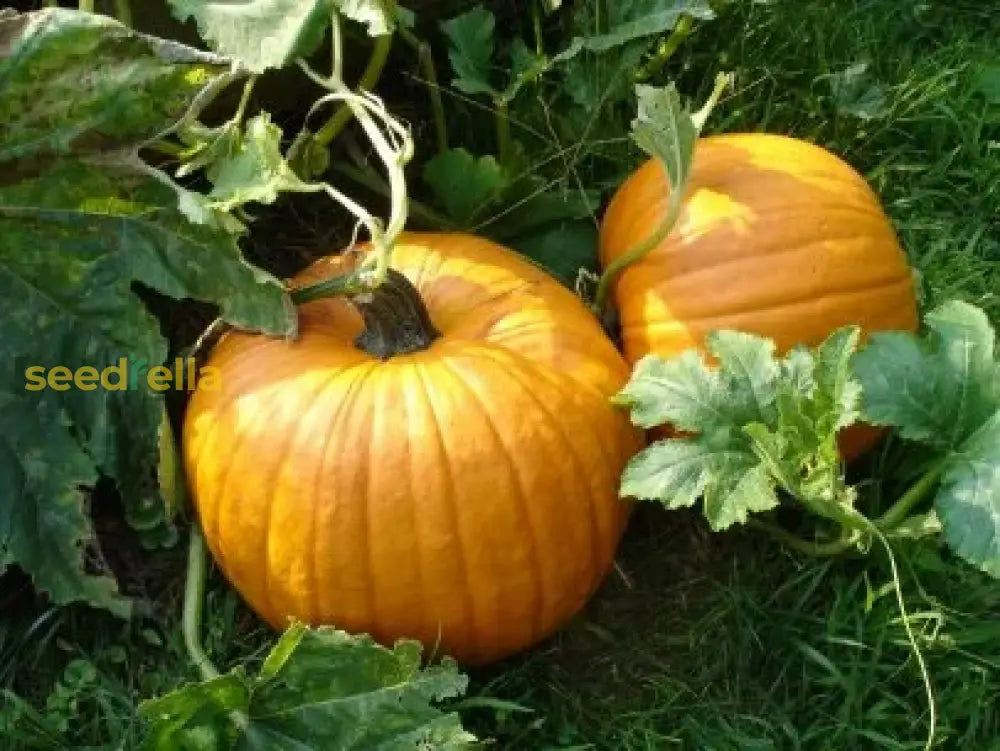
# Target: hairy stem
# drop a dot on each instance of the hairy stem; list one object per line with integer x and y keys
{"x": 425, "y": 57}
{"x": 536, "y": 27}
{"x": 345, "y": 284}
{"x": 241, "y": 108}
{"x": 373, "y": 71}
{"x": 194, "y": 596}
{"x": 636, "y": 253}
{"x": 900, "y": 510}
{"x": 809, "y": 547}
{"x": 169, "y": 148}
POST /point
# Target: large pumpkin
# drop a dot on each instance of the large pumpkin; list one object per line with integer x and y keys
{"x": 463, "y": 493}
{"x": 777, "y": 236}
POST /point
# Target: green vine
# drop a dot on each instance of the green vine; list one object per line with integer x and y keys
{"x": 194, "y": 598}
{"x": 369, "y": 79}
{"x": 425, "y": 58}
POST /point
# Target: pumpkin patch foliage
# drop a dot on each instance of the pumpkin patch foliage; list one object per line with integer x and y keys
{"x": 318, "y": 688}
{"x": 764, "y": 425}
{"x": 82, "y": 218}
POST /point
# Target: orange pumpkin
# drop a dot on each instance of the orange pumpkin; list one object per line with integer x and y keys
{"x": 461, "y": 491}
{"x": 777, "y": 236}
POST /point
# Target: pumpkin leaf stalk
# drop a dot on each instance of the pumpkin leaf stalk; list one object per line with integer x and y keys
{"x": 667, "y": 131}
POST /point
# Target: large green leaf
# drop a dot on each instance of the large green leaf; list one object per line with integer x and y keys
{"x": 628, "y": 20}
{"x": 81, "y": 221}
{"x": 318, "y": 688}
{"x": 264, "y": 34}
{"x": 968, "y": 502}
{"x": 943, "y": 390}
{"x": 463, "y": 184}
{"x": 261, "y": 34}
{"x": 758, "y": 423}
{"x": 939, "y": 389}
{"x": 75, "y": 83}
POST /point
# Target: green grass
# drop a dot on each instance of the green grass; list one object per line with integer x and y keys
{"x": 697, "y": 641}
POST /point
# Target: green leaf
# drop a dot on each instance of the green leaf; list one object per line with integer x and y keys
{"x": 629, "y": 20}
{"x": 525, "y": 66}
{"x": 374, "y": 14}
{"x": 968, "y": 502}
{"x": 938, "y": 390}
{"x": 691, "y": 396}
{"x": 318, "y": 688}
{"x": 43, "y": 527}
{"x": 758, "y": 422}
{"x": 464, "y": 185}
{"x": 678, "y": 472}
{"x": 682, "y": 391}
{"x": 837, "y": 396}
{"x": 943, "y": 390}
{"x": 471, "y": 50}
{"x": 748, "y": 372}
{"x": 136, "y": 86}
{"x": 665, "y": 129}
{"x": 253, "y": 169}
{"x": 196, "y": 716}
{"x": 856, "y": 94}
{"x": 82, "y": 220}
{"x": 262, "y": 34}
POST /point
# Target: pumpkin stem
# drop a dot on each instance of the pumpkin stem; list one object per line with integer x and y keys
{"x": 396, "y": 319}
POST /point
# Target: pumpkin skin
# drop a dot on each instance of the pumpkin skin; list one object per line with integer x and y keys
{"x": 465, "y": 495}
{"x": 777, "y": 236}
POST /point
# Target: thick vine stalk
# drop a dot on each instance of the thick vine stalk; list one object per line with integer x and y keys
{"x": 674, "y": 206}
{"x": 426, "y": 60}
{"x": 373, "y": 71}
{"x": 194, "y": 599}
{"x": 194, "y": 591}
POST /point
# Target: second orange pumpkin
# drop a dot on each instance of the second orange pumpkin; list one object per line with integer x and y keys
{"x": 777, "y": 236}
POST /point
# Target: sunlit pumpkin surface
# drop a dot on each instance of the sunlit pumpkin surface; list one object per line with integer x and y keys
{"x": 777, "y": 237}
{"x": 464, "y": 495}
